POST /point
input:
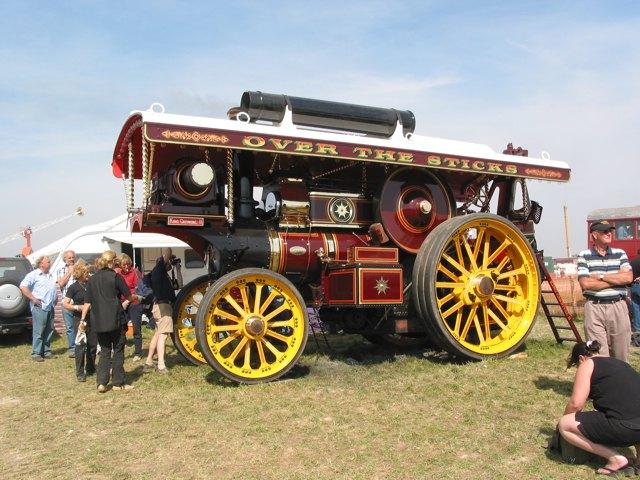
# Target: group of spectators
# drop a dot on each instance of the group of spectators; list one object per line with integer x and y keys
{"x": 98, "y": 303}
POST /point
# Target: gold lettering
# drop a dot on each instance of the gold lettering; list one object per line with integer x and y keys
{"x": 494, "y": 167}
{"x": 255, "y": 142}
{"x": 326, "y": 149}
{"x": 362, "y": 152}
{"x": 304, "y": 147}
{"x": 384, "y": 155}
{"x": 279, "y": 143}
{"x": 405, "y": 157}
{"x": 478, "y": 165}
{"x": 511, "y": 169}
{"x": 451, "y": 162}
{"x": 434, "y": 160}
{"x": 464, "y": 163}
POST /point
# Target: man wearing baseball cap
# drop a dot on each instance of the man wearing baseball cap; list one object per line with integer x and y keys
{"x": 604, "y": 273}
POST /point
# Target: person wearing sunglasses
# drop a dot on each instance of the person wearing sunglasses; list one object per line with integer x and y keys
{"x": 604, "y": 273}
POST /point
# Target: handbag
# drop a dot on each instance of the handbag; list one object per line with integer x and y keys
{"x": 569, "y": 453}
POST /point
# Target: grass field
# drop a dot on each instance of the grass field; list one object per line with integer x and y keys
{"x": 363, "y": 413}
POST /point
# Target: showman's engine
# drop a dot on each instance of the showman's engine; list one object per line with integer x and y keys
{"x": 304, "y": 205}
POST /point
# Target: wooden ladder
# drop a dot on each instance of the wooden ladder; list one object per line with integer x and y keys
{"x": 556, "y": 301}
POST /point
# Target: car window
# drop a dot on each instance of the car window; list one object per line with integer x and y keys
{"x": 13, "y": 269}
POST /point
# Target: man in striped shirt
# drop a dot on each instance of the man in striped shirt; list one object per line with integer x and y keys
{"x": 603, "y": 274}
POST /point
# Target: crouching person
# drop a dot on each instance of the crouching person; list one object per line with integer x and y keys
{"x": 164, "y": 296}
{"x": 73, "y": 301}
{"x": 614, "y": 388}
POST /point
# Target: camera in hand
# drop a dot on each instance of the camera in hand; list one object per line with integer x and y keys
{"x": 175, "y": 260}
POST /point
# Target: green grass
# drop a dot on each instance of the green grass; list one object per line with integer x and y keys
{"x": 364, "y": 413}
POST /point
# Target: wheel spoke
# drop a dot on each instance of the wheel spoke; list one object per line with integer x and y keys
{"x": 485, "y": 321}
{"x": 235, "y": 305}
{"x": 224, "y": 328}
{"x": 456, "y": 327}
{"x": 457, "y": 306}
{"x": 456, "y": 243}
{"x": 256, "y": 304}
{"x": 445, "y": 299}
{"x": 485, "y": 250}
{"x": 277, "y": 311}
{"x": 228, "y": 340}
{"x": 245, "y": 298}
{"x": 272, "y": 295}
{"x": 270, "y": 346}
{"x": 478, "y": 242}
{"x": 450, "y": 285}
{"x": 506, "y": 242}
{"x": 277, "y": 336}
{"x": 455, "y": 264}
{"x": 500, "y": 309}
{"x": 447, "y": 272}
{"x": 247, "y": 355}
{"x": 470, "y": 255}
{"x": 501, "y": 265}
{"x": 511, "y": 300}
{"x": 506, "y": 288}
{"x": 469, "y": 321}
{"x": 512, "y": 273}
{"x": 238, "y": 348}
{"x": 476, "y": 323}
{"x": 498, "y": 321}
{"x": 281, "y": 323}
{"x": 263, "y": 359}
{"x": 221, "y": 313}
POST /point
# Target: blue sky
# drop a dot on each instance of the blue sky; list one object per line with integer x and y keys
{"x": 556, "y": 76}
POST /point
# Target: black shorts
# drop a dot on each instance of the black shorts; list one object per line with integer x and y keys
{"x": 608, "y": 431}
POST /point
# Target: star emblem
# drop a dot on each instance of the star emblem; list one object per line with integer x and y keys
{"x": 382, "y": 285}
{"x": 341, "y": 210}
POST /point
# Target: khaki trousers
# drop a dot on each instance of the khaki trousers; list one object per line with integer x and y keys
{"x": 609, "y": 324}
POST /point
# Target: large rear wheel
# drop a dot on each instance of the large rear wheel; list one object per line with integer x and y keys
{"x": 476, "y": 286}
{"x": 252, "y": 325}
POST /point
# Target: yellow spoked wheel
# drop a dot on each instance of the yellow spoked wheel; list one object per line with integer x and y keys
{"x": 185, "y": 310}
{"x": 252, "y": 325}
{"x": 476, "y": 285}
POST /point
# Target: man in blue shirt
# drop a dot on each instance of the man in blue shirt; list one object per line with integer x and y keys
{"x": 39, "y": 286}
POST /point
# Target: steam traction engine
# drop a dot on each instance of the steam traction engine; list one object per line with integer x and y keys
{"x": 301, "y": 204}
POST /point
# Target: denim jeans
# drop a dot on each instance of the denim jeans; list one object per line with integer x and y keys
{"x": 134, "y": 312}
{"x": 68, "y": 325}
{"x": 635, "y": 306}
{"x": 42, "y": 331}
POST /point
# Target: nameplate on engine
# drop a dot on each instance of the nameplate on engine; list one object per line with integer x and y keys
{"x": 185, "y": 221}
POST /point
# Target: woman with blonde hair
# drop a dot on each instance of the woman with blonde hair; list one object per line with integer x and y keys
{"x": 104, "y": 291}
{"x": 73, "y": 301}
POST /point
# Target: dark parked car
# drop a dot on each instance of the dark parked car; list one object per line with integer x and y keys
{"x": 15, "y": 314}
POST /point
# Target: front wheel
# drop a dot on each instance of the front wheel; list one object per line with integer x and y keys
{"x": 252, "y": 325}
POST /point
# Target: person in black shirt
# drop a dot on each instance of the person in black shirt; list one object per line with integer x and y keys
{"x": 614, "y": 388}
{"x": 73, "y": 301}
{"x": 164, "y": 295}
{"x": 108, "y": 320}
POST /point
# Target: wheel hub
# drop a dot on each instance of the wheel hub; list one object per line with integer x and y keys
{"x": 483, "y": 286}
{"x": 255, "y": 326}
